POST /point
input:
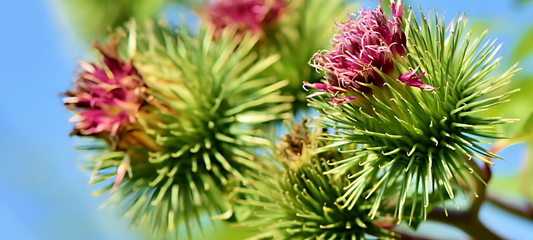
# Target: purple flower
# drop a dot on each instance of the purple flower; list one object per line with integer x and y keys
{"x": 410, "y": 79}
{"x": 249, "y": 15}
{"x": 361, "y": 46}
{"x": 108, "y": 97}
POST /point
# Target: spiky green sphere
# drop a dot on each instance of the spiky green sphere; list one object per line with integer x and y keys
{"x": 293, "y": 199}
{"x": 205, "y": 109}
{"x": 418, "y": 144}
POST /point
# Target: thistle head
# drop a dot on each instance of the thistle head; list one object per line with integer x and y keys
{"x": 293, "y": 199}
{"x": 207, "y": 107}
{"x": 293, "y": 144}
{"x": 108, "y": 96}
{"x": 418, "y": 130}
{"x": 249, "y": 15}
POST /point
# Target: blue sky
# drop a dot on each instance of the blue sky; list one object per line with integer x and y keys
{"x": 43, "y": 195}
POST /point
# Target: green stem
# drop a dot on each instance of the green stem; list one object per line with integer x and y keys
{"x": 406, "y": 236}
{"x": 475, "y": 228}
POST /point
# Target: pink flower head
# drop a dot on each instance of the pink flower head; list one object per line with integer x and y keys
{"x": 252, "y": 15}
{"x": 108, "y": 97}
{"x": 361, "y": 46}
{"x": 410, "y": 79}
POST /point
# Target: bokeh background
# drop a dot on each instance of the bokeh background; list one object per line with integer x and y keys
{"x": 43, "y": 194}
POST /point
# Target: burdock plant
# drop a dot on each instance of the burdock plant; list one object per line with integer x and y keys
{"x": 407, "y": 91}
{"x": 180, "y": 120}
{"x": 194, "y": 105}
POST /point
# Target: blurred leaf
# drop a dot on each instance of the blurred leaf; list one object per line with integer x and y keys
{"x": 519, "y": 106}
{"x": 520, "y": 183}
{"x": 526, "y": 173}
{"x": 524, "y": 48}
{"x": 526, "y": 131}
{"x": 218, "y": 231}
{"x": 92, "y": 18}
{"x": 479, "y": 26}
{"x": 506, "y": 183}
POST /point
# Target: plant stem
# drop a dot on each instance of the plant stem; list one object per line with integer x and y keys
{"x": 465, "y": 221}
{"x": 406, "y": 236}
{"x": 475, "y": 228}
{"x": 525, "y": 211}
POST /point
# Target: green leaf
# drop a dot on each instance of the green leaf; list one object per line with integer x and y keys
{"x": 93, "y": 18}
{"x": 515, "y": 109}
{"x": 524, "y": 48}
{"x": 505, "y": 183}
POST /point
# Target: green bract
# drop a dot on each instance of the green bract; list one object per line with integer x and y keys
{"x": 206, "y": 107}
{"x": 419, "y": 144}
